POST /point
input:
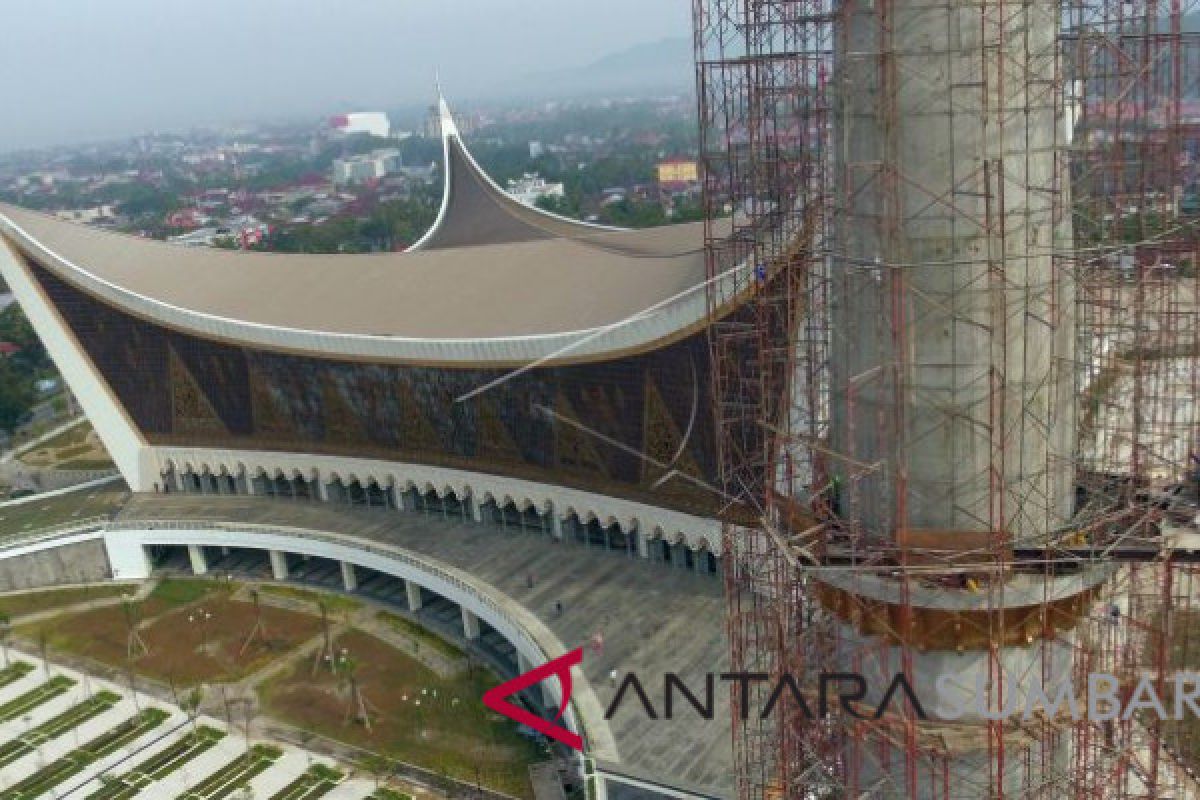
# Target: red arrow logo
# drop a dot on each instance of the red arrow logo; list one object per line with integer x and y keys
{"x": 560, "y": 668}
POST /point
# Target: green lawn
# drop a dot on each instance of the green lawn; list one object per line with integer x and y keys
{"x": 73, "y": 717}
{"x": 416, "y": 715}
{"x": 425, "y": 637}
{"x": 64, "y": 509}
{"x": 159, "y": 766}
{"x": 317, "y": 782}
{"x": 175, "y": 592}
{"x": 44, "y": 780}
{"x": 388, "y": 794}
{"x": 35, "y": 697}
{"x": 19, "y": 604}
{"x": 226, "y": 781}
{"x": 336, "y": 603}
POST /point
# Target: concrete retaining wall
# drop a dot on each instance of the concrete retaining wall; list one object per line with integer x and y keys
{"x": 80, "y": 562}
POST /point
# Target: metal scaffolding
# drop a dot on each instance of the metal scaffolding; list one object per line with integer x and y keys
{"x": 955, "y": 332}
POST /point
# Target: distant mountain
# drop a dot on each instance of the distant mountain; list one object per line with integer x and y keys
{"x": 654, "y": 67}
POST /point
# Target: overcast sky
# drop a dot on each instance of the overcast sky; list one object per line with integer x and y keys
{"x": 75, "y": 70}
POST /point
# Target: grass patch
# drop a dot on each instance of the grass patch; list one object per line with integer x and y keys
{"x": 424, "y": 637}
{"x": 234, "y": 775}
{"x": 176, "y": 592}
{"x": 318, "y": 781}
{"x": 14, "y": 672}
{"x": 17, "y": 605}
{"x": 30, "y": 700}
{"x": 388, "y": 794}
{"x": 50, "y": 776}
{"x": 192, "y": 641}
{"x": 336, "y": 603}
{"x": 76, "y": 435}
{"x": 86, "y": 464}
{"x": 38, "y": 513}
{"x": 159, "y": 766}
{"x": 72, "y": 718}
{"x": 417, "y": 716}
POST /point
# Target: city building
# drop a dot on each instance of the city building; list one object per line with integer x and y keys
{"x": 373, "y": 123}
{"x": 532, "y": 187}
{"x": 678, "y": 175}
{"x": 368, "y": 167}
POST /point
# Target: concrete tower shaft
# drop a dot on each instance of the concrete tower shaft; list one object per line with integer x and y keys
{"x": 952, "y": 330}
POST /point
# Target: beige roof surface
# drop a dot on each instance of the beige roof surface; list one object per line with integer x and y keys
{"x": 485, "y": 291}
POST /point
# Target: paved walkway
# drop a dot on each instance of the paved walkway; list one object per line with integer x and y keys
{"x": 653, "y": 618}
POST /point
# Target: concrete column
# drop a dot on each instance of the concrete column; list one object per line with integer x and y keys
{"x": 279, "y": 565}
{"x": 198, "y": 559}
{"x": 476, "y": 511}
{"x": 349, "y": 577}
{"x": 322, "y": 490}
{"x": 470, "y": 624}
{"x": 179, "y": 481}
{"x": 413, "y": 590}
{"x": 556, "y": 526}
{"x": 643, "y": 546}
{"x": 401, "y": 503}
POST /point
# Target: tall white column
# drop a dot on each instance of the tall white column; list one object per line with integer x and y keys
{"x": 476, "y": 510}
{"x": 279, "y": 565}
{"x": 349, "y": 577}
{"x": 413, "y": 590}
{"x": 198, "y": 559}
{"x": 556, "y": 525}
{"x": 470, "y": 624}
{"x": 251, "y": 489}
{"x": 643, "y": 546}
{"x": 322, "y": 490}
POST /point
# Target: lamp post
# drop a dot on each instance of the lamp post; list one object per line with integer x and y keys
{"x": 201, "y": 617}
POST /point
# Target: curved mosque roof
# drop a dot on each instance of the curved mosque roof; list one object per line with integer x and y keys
{"x": 492, "y": 281}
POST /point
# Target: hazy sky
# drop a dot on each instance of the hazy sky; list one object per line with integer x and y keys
{"x": 73, "y": 70}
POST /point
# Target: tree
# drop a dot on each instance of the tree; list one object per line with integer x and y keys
{"x": 191, "y": 704}
{"x": 16, "y": 395}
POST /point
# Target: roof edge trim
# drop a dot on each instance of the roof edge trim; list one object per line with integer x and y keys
{"x": 644, "y": 330}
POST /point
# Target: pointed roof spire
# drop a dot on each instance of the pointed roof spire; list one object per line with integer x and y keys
{"x": 449, "y": 128}
{"x": 476, "y": 211}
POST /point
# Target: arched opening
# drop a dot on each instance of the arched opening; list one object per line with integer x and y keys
{"x": 520, "y": 520}
{"x": 302, "y": 489}
{"x": 356, "y": 494}
{"x": 169, "y": 479}
{"x": 280, "y": 486}
{"x": 377, "y": 496}
{"x": 335, "y": 490}
{"x": 430, "y": 502}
